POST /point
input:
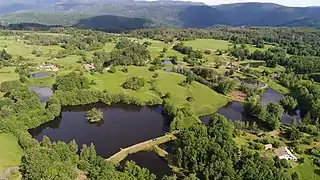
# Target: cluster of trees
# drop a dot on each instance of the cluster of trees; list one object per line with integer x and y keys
{"x": 241, "y": 52}
{"x": 94, "y": 115}
{"x": 209, "y": 152}
{"x": 127, "y": 52}
{"x": 194, "y": 56}
{"x": 59, "y": 160}
{"x": 180, "y": 47}
{"x": 270, "y": 114}
{"x": 133, "y": 83}
{"x": 227, "y": 85}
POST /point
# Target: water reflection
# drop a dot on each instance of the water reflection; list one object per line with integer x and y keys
{"x": 123, "y": 126}
{"x": 151, "y": 161}
{"x": 44, "y": 93}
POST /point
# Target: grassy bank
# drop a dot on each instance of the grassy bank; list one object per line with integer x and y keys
{"x": 10, "y": 152}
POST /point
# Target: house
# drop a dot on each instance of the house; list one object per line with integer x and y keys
{"x": 267, "y": 146}
{"x": 49, "y": 67}
{"x": 89, "y": 67}
{"x": 284, "y": 153}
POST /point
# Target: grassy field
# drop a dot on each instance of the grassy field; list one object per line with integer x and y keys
{"x": 276, "y": 86}
{"x": 208, "y": 44}
{"x": 306, "y": 170}
{"x": 8, "y": 74}
{"x": 10, "y": 152}
{"x": 206, "y": 100}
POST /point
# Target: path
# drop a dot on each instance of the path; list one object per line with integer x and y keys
{"x": 123, "y": 153}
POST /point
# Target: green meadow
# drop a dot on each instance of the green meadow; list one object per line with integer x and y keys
{"x": 206, "y": 101}
{"x": 10, "y": 152}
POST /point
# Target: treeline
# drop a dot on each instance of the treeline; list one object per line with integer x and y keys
{"x": 296, "y": 41}
{"x": 59, "y": 160}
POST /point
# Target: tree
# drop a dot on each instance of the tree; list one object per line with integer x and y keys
{"x": 4, "y": 55}
{"x": 72, "y": 81}
{"x": 94, "y": 115}
{"x": 133, "y": 83}
{"x": 164, "y": 49}
{"x": 275, "y": 109}
{"x": 113, "y": 69}
{"x": 293, "y": 133}
{"x": 190, "y": 78}
{"x": 289, "y": 104}
{"x": 226, "y": 85}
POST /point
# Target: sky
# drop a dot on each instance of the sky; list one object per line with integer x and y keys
{"x": 282, "y": 2}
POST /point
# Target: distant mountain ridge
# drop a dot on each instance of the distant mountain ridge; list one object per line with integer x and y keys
{"x": 164, "y": 12}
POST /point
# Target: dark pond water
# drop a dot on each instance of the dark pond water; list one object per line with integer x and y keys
{"x": 123, "y": 126}
{"x": 39, "y": 75}
{"x": 152, "y": 161}
{"x": 271, "y": 95}
{"x": 253, "y": 83}
{"x": 235, "y": 111}
{"x": 44, "y": 93}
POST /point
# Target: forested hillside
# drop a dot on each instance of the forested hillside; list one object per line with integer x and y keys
{"x": 169, "y": 13}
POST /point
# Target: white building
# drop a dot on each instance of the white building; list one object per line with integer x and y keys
{"x": 284, "y": 153}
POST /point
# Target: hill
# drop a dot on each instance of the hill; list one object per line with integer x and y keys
{"x": 170, "y": 13}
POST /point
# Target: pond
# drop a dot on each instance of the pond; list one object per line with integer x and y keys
{"x": 123, "y": 126}
{"x": 252, "y": 83}
{"x": 39, "y": 75}
{"x": 44, "y": 93}
{"x": 152, "y": 161}
{"x": 271, "y": 95}
{"x": 235, "y": 111}
{"x": 254, "y": 64}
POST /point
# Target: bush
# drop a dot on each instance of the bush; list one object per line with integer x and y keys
{"x": 208, "y": 52}
{"x": 113, "y": 69}
{"x": 316, "y": 162}
{"x": 155, "y": 75}
{"x": 125, "y": 70}
{"x": 153, "y": 68}
{"x": 133, "y": 83}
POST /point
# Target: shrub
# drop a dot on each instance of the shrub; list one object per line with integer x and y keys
{"x": 125, "y": 70}
{"x": 113, "y": 69}
{"x": 133, "y": 83}
{"x": 155, "y": 75}
{"x": 153, "y": 68}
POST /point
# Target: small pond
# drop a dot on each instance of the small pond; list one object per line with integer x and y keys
{"x": 254, "y": 64}
{"x": 271, "y": 95}
{"x": 123, "y": 126}
{"x": 252, "y": 83}
{"x": 235, "y": 111}
{"x": 39, "y": 75}
{"x": 152, "y": 161}
{"x": 44, "y": 93}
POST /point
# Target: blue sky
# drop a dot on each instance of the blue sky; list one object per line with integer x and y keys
{"x": 282, "y": 2}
